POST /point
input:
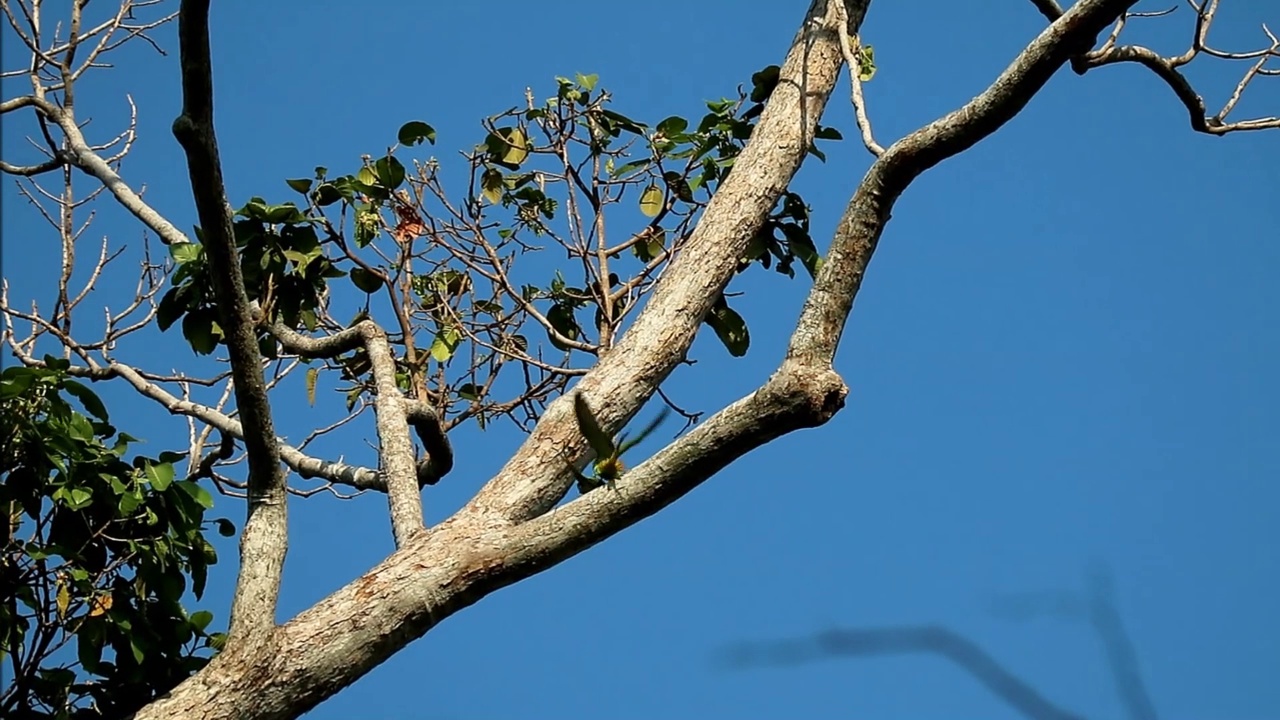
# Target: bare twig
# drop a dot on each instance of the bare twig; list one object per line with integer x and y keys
{"x": 851, "y": 49}
{"x": 1167, "y": 68}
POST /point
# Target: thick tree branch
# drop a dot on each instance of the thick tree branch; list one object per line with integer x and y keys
{"x": 264, "y": 540}
{"x": 510, "y": 531}
{"x": 627, "y": 375}
{"x": 394, "y": 444}
{"x": 454, "y": 564}
{"x": 827, "y": 308}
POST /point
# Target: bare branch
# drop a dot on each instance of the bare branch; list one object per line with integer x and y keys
{"x": 306, "y": 466}
{"x": 30, "y": 170}
{"x": 1167, "y": 68}
{"x": 82, "y": 156}
{"x": 851, "y": 48}
{"x": 822, "y": 320}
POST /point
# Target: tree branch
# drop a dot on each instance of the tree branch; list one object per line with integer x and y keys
{"x": 823, "y": 317}
{"x": 395, "y": 446}
{"x": 454, "y": 564}
{"x": 534, "y": 479}
{"x": 80, "y": 154}
{"x": 1166, "y": 68}
{"x": 264, "y": 540}
{"x": 426, "y": 423}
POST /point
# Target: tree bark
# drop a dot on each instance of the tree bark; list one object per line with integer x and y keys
{"x": 509, "y": 531}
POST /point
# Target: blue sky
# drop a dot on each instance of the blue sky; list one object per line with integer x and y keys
{"x": 1063, "y": 356}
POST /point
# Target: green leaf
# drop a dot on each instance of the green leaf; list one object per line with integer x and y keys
{"x": 197, "y": 328}
{"x": 651, "y": 201}
{"x": 301, "y": 185}
{"x": 327, "y": 194}
{"x": 828, "y": 133}
{"x": 367, "y": 281}
{"x": 172, "y": 306}
{"x": 757, "y": 248}
{"x": 802, "y": 247}
{"x": 160, "y": 475}
{"x": 287, "y": 213}
{"x": 87, "y": 397}
{"x": 390, "y": 172}
{"x": 226, "y": 528}
{"x": 630, "y": 167}
{"x": 367, "y": 226}
{"x": 255, "y": 209}
{"x": 729, "y": 327}
{"x": 201, "y": 619}
{"x": 197, "y": 493}
{"x": 17, "y": 380}
{"x": 653, "y": 244}
{"x": 491, "y": 185}
{"x": 79, "y": 498}
{"x": 185, "y": 252}
{"x": 130, "y": 502}
{"x": 588, "y": 82}
{"x": 445, "y": 344}
{"x": 517, "y": 145}
{"x": 623, "y": 122}
{"x": 218, "y": 641}
{"x": 89, "y": 643}
{"x": 413, "y": 133}
{"x": 672, "y": 126}
{"x": 313, "y": 374}
{"x": 469, "y": 392}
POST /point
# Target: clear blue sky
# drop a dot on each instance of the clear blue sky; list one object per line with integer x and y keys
{"x": 1064, "y": 355}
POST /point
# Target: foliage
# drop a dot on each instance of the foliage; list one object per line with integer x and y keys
{"x": 458, "y": 273}
{"x": 97, "y": 556}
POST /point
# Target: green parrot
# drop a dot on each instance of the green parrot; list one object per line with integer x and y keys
{"x": 608, "y": 465}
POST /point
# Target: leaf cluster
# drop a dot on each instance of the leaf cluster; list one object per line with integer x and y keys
{"x": 459, "y": 271}
{"x": 99, "y": 553}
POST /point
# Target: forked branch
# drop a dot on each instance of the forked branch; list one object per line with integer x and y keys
{"x": 1167, "y": 68}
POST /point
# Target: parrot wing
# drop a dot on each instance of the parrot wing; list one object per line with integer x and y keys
{"x": 662, "y": 416}
{"x": 600, "y": 443}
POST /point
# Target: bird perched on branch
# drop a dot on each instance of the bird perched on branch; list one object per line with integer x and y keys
{"x": 608, "y": 465}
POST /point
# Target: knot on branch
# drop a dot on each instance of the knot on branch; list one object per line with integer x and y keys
{"x": 814, "y": 395}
